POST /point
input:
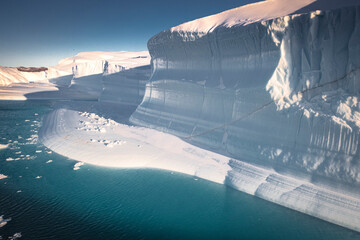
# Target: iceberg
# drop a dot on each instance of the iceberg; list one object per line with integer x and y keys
{"x": 273, "y": 84}
{"x": 87, "y": 75}
{"x": 263, "y": 98}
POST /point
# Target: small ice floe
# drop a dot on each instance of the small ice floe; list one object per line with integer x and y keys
{"x": 38, "y": 177}
{"x": 38, "y": 151}
{"x": 18, "y": 191}
{"x": 27, "y": 120}
{"x": 15, "y": 236}
{"x": 36, "y": 114}
{"x": 3, "y": 146}
{"x": 2, "y": 176}
{"x": 78, "y": 165}
{"x": 4, "y": 221}
{"x": 196, "y": 179}
{"x": 9, "y": 159}
{"x": 49, "y": 152}
{"x": 18, "y": 152}
{"x": 50, "y": 161}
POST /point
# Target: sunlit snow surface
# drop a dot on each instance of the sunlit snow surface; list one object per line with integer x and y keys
{"x": 92, "y": 139}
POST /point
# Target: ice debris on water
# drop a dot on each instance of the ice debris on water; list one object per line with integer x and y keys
{"x": 78, "y": 165}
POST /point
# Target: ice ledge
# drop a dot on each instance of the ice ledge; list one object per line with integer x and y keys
{"x": 92, "y": 139}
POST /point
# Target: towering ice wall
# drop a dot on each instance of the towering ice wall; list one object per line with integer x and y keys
{"x": 100, "y": 74}
{"x": 275, "y": 84}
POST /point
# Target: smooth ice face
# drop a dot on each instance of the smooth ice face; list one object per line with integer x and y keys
{"x": 281, "y": 93}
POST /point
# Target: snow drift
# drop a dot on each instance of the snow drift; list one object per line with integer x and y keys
{"x": 274, "y": 84}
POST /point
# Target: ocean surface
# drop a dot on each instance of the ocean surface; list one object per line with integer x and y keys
{"x": 50, "y": 200}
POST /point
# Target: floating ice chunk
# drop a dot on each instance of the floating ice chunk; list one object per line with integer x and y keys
{"x": 16, "y": 236}
{"x": 78, "y": 165}
{"x": 2, "y": 176}
{"x": 4, "y": 221}
{"x": 10, "y": 159}
{"x": 38, "y": 177}
{"x": 27, "y": 120}
{"x": 38, "y": 151}
{"x": 50, "y": 161}
{"x": 3, "y": 146}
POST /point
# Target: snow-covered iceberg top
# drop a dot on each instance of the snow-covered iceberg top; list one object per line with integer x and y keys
{"x": 257, "y": 12}
{"x": 82, "y": 64}
{"x": 89, "y": 63}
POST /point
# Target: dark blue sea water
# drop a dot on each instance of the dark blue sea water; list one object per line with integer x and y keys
{"x": 104, "y": 203}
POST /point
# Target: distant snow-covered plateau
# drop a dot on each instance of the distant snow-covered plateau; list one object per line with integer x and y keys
{"x": 264, "y": 98}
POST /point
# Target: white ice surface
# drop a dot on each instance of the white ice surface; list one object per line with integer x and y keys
{"x": 18, "y": 91}
{"x": 89, "y": 138}
{"x": 2, "y": 176}
{"x": 89, "y": 63}
{"x": 83, "y": 72}
{"x": 257, "y": 12}
{"x": 92, "y": 139}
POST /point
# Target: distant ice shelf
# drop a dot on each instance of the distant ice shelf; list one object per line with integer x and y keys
{"x": 116, "y": 77}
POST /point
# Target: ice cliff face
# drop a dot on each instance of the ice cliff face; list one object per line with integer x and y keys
{"x": 275, "y": 90}
{"x": 102, "y": 74}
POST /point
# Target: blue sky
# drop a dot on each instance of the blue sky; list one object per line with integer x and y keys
{"x": 41, "y": 32}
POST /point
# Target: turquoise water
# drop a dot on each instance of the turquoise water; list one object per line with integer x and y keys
{"x": 104, "y": 203}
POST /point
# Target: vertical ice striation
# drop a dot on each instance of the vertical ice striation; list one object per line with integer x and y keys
{"x": 281, "y": 93}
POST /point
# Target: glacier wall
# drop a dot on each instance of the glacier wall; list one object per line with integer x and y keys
{"x": 281, "y": 94}
{"x": 110, "y": 83}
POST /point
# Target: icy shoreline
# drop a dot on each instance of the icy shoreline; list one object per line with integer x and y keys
{"x": 92, "y": 139}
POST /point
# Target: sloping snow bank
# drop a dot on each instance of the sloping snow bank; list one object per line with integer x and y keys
{"x": 13, "y": 75}
{"x": 92, "y": 139}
